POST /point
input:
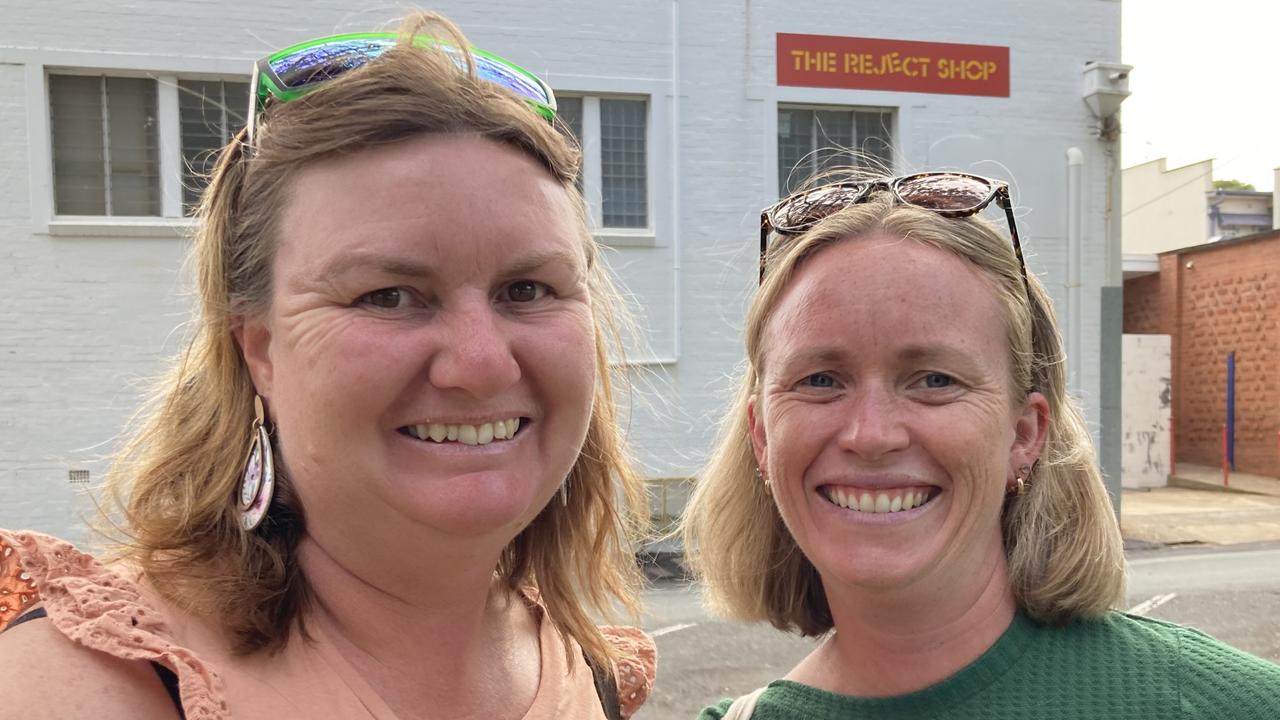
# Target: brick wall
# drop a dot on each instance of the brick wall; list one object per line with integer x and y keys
{"x": 1142, "y": 306}
{"x": 1230, "y": 302}
{"x": 1215, "y": 300}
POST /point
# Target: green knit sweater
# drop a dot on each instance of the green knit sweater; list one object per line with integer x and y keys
{"x": 1121, "y": 666}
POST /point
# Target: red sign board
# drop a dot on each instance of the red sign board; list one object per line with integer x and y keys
{"x": 854, "y": 63}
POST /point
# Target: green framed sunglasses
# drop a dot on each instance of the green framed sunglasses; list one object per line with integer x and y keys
{"x": 290, "y": 73}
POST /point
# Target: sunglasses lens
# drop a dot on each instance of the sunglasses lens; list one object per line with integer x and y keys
{"x": 945, "y": 191}
{"x": 501, "y": 73}
{"x": 327, "y": 61}
{"x": 809, "y": 208}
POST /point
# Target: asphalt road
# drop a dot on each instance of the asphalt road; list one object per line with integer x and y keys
{"x": 1231, "y": 593}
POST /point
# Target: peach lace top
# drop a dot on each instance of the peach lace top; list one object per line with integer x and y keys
{"x": 107, "y": 610}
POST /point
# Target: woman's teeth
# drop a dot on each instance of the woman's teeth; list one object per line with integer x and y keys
{"x": 466, "y": 434}
{"x": 884, "y": 502}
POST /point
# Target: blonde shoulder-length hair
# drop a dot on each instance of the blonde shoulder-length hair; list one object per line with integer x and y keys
{"x": 176, "y": 480}
{"x": 1061, "y": 538}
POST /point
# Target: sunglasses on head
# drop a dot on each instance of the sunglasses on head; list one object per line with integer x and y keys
{"x": 950, "y": 194}
{"x": 290, "y": 73}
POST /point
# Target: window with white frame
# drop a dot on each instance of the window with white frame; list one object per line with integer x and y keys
{"x": 614, "y": 133}
{"x": 815, "y": 138}
{"x": 210, "y": 112}
{"x": 106, "y": 157}
{"x": 106, "y": 135}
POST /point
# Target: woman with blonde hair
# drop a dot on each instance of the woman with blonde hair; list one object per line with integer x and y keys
{"x": 386, "y": 479}
{"x": 903, "y": 473}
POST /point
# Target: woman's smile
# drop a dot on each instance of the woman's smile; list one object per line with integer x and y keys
{"x": 883, "y": 501}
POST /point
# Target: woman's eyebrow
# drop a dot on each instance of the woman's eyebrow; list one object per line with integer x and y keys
{"x": 538, "y": 260}
{"x": 408, "y": 267}
{"x": 388, "y": 264}
{"x": 956, "y": 356}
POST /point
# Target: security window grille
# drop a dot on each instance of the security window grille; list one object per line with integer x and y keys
{"x": 106, "y": 158}
{"x": 811, "y": 140}
{"x": 210, "y": 112}
{"x": 624, "y": 177}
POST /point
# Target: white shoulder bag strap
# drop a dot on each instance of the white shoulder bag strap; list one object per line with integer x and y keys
{"x": 743, "y": 707}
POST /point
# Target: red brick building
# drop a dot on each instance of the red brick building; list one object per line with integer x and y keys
{"x": 1215, "y": 299}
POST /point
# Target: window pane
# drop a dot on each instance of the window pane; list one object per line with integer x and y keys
{"x": 624, "y": 171}
{"x": 875, "y": 138}
{"x": 833, "y": 130}
{"x": 79, "y": 173}
{"x": 810, "y": 141}
{"x": 569, "y": 110}
{"x": 133, "y": 146}
{"x": 211, "y": 111}
{"x": 795, "y": 143}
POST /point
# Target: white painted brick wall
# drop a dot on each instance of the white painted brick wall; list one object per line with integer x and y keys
{"x": 83, "y": 320}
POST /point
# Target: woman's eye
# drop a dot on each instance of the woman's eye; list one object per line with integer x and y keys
{"x": 819, "y": 380}
{"x": 387, "y": 298}
{"x": 937, "y": 381}
{"x": 524, "y": 291}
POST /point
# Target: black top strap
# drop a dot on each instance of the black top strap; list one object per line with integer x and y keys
{"x": 27, "y": 616}
{"x": 170, "y": 681}
{"x": 168, "y": 678}
{"x": 606, "y": 688}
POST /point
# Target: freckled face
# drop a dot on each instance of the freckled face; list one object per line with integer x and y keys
{"x": 886, "y": 381}
{"x": 429, "y": 355}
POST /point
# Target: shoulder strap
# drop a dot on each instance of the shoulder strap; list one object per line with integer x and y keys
{"x": 606, "y": 688}
{"x": 35, "y": 614}
{"x": 743, "y": 707}
{"x": 170, "y": 681}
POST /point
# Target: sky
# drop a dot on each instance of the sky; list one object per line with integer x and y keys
{"x": 1205, "y": 84}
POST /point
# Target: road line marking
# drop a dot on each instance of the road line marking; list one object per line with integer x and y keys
{"x": 1147, "y": 606}
{"x": 670, "y": 629}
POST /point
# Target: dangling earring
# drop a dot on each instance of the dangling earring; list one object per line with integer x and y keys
{"x": 258, "y": 483}
{"x": 564, "y": 491}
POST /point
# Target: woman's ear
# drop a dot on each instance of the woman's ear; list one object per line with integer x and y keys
{"x": 755, "y": 426}
{"x": 1031, "y": 431}
{"x": 253, "y": 335}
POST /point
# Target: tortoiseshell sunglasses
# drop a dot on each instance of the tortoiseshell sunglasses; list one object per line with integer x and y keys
{"x": 950, "y": 194}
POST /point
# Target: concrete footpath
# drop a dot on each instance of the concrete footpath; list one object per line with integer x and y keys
{"x": 1198, "y": 508}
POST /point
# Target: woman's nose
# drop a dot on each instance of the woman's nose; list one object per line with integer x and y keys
{"x": 874, "y": 427}
{"x": 476, "y": 353}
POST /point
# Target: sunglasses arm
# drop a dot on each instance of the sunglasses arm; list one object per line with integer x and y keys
{"x": 1002, "y": 198}
{"x": 765, "y": 226}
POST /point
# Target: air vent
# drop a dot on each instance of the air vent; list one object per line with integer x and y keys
{"x": 78, "y": 477}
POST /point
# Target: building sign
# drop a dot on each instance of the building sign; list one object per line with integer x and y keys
{"x": 852, "y": 63}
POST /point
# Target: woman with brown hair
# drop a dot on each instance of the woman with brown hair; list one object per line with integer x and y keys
{"x": 904, "y": 474}
{"x": 385, "y": 480}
